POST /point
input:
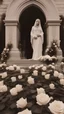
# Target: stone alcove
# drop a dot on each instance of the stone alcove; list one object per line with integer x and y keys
{"x": 26, "y": 21}
{"x": 12, "y": 20}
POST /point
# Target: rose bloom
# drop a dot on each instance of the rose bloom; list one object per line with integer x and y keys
{"x": 52, "y": 86}
{"x": 30, "y": 67}
{"x": 19, "y": 88}
{"x": 52, "y": 66}
{"x": 4, "y": 75}
{"x": 22, "y": 71}
{"x": 13, "y": 79}
{"x": 47, "y": 76}
{"x": 15, "y": 67}
{"x": 35, "y": 73}
{"x": 56, "y": 107}
{"x": 1, "y": 83}
{"x": 26, "y": 111}
{"x": 21, "y": 103}
{"x": 18, "y": 68}
{"x": 7, "y": 68}
{"x": 61, "y": 76}
{"x": 20, "y": 77}
{"x": 37, "y": 67}
{"x": 40, "y": 90}
{"x": 30, "y": 80}
{"x": 62, "y": 63}
{"x": 11, "y": 68}
{"x": 43, "y": 73}
{"x": 0, "y": 65}
{"x": 44, "y": 68}
{"x": 3, "y": 88}
{"x": 42, "y": 99}
{"x": 62, "y": 81}
{"x": 4, "y": 64}
{"x": 13, "y": 91}
{"x": 56, "y": 73}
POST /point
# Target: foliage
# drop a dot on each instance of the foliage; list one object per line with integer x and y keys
{"x": 52, "y": 50}
{"x": 6, "y": 53}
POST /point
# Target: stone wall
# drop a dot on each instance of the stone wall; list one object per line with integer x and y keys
{"x": 59, "y": 4}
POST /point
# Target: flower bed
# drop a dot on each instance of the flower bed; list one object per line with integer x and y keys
{"x": 38, "y": 91}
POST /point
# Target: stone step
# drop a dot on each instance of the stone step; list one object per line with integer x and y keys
{"x": 3, "y": 6}
{"x": 24, "y": 62}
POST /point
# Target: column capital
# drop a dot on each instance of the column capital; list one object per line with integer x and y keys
{"x": 11, "y": 23}
{"x": 52, "y": 23}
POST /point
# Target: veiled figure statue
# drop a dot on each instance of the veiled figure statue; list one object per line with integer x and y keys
{"x": 37, "y": 39}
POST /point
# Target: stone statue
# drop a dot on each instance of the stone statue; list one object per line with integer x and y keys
{"x": 37, "y": 39}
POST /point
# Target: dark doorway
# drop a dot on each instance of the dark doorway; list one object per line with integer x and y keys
{"x": 2, "y": 33}
{"x": 26, "y": 21}
{"x": 62, "y": 34}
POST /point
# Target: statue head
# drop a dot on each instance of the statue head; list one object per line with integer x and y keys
{"x": 37, "y": 22}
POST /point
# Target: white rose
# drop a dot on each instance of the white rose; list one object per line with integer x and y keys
{"x": 19, "y": 88}
{"x": 56, "y": 73}
{"x": 20, "y": 77}
{"x": 30, "y": 80}
{"x": 22, "y": 71}
{"x": 13, "y": 79}
{"x": 4, "y": 64}
{"x": 18, "y": 68}
{"x": 0, "y": 65}
{"x": 52, "y": 86}
{"x": 40, "y": 90}
{"x": 42, "y": 99}
{"x": 21, "y": 103}
{"x": 62, "y": 81}
{"x": 3, "y": 88}
{"x": 43, "y": 73}
{"x": 13, "y": 91}
{"x": 14, "y": 66}
{"x": 61, "y": 76}
{"x": 4, "y": 75}
{"x": 30, "y": 67}
{"x": 44, "y": 68}
{"x": 7, "y": 68}
{"x": 11, "y": 68}
{"x": 33, "y": 66}
{"x": 47, "y": 76}
{"x": 53, "y": 64}
{"x": 41, "y": 58}
{"x": 37, "y": 67}
{"x": 26, "y": 111}
{"x": 41, "y": 65}
{"x": 62, "y": 63}
{"x": 35, "y": 73}
{"x": 57, "y": 107}
{"x": 53, "y": 67}
{"x": 1, "y": 83}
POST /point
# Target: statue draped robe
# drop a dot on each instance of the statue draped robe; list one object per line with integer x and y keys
{"x": 36, "y": 42}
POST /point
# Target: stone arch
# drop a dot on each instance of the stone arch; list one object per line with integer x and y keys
{"x": 16, "y": 7}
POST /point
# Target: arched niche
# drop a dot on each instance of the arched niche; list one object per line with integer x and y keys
{"x": 26, "y": 21}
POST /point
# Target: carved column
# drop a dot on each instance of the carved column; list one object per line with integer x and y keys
{"x": 53, "y": 33}
{"x": 11, "y": 34}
